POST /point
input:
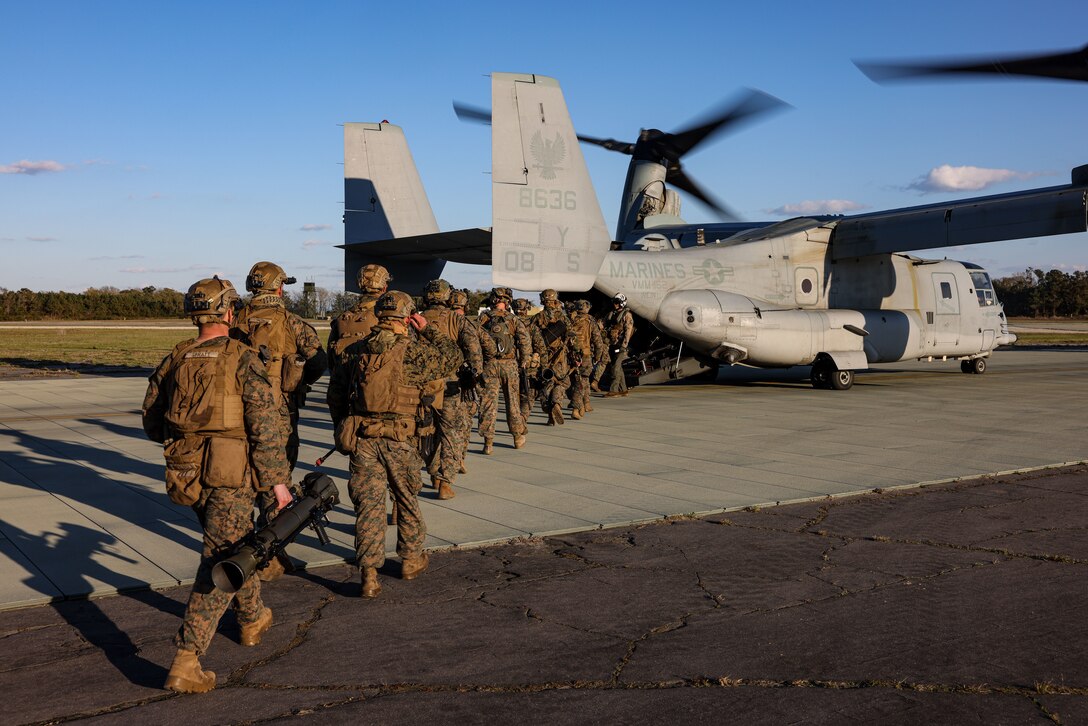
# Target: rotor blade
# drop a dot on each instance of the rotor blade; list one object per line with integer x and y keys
{"x": 676, "y": 176}
{"x": 1069, "y": 66}
{"x": 472, "y": 114}
{"x": 622, "y": 147}
{"x": 751, "y": 104}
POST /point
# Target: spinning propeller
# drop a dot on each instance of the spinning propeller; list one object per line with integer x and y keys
{"x": 1069, "y": 66}
{"x": 667, "y": 149}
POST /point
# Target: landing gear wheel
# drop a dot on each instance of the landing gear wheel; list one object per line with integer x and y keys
{"x": 966, "y": 366}
{"x": 842, "y": 380}
{"x": 820, "y": 377}
{"x": 978, "y": 365}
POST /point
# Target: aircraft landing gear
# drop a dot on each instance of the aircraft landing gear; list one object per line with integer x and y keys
{"x": 974, "y": 365}
{"x": 825, "y": 375}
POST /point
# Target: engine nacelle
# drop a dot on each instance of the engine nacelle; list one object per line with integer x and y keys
{"x": 735, "y": 328}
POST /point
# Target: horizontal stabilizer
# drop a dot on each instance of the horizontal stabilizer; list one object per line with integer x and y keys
{"x": 466, "y": 246}
{"x": 1019, "y": 215}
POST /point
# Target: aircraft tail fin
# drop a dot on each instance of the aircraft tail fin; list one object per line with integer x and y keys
{"x": 384, "y": 199}
{"x": 547, "y": 227}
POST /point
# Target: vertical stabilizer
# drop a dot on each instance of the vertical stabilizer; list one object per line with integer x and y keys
{"x": 383, "y": 199}
{"x": 547, "y": 227}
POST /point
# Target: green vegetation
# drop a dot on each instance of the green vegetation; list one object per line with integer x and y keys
{"x": 1036, "y": 293}
{"x": 59, "y": 346}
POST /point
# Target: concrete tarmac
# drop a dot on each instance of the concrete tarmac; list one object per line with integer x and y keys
{"x": 912, "y": 605}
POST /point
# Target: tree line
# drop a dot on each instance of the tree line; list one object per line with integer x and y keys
{"x": 1037, "y": 294}
{"x": 1031, "y": 293}
{"x": 110, "y": 303}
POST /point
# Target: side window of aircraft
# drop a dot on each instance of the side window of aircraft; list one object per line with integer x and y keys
{"x": 946, "y": 291}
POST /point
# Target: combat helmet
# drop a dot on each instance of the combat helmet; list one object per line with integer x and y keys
{"x": 394, "y": 304}
{"x": 459, "y": 299}
{"x": 583, "y": 306}
{"x": 208, "y": 300}
{"x": 522, "y": 306}
{"x": 549, "y": 297}
{"x": 620, "y": 299}
{"x": 267, "y": 277}
{"x": 437, "y": 291}
{"x": 373, "y": 278}
{"x": 501, "y": 294}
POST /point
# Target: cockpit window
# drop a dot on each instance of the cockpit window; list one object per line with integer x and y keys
{"x": 983, "y": 289}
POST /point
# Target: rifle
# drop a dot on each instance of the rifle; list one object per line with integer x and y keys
{"x": 321, "y": 459}
{"x": 259, "y": 547}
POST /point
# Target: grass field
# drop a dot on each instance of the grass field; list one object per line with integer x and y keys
{"x": 74, "y": 347}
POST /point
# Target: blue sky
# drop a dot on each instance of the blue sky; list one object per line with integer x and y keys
{"x": 154, "y": 144}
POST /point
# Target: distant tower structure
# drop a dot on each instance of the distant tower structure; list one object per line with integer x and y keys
{"x": 309, "y": 300}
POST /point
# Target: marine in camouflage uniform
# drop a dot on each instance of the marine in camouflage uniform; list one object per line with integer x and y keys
{"x": 294, "y": 359}
{"x": 620, "y": 325}
{"x": 587, "y": 344}
{"x": 300, "y": 360}
{"x": 458, "y": 303}
{"x": 356, "y": 322}
{"x": 555, "y": 364}
{"x": 452, "y": 419}
{"x": 212, "y": 405}
{"x": 522, "y": 307}
{"x": 374, "y": 399}
{"x": 514, "y": 356}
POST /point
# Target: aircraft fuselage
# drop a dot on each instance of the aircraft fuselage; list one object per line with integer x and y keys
{"x": 782, "y": 301}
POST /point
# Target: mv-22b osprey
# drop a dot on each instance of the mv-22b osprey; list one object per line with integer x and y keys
{"x": 831, "y": 292}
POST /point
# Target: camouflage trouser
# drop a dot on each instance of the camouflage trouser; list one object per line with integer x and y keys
{"x": 471, "y": 409}
{"x": 454, "y": 423}
{"x": 226, "y": 516}
{"x": 579, "y": 386}
{"x": 504, "y": 374}
{"x": 553, "y": 392}
{"x": 619, "y": 382}
{"x": 266, "y": 499}
{"x": 377, "y": 465}
{"x": 528, "y": 401}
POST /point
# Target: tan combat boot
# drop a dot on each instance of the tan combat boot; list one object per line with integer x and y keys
{"x": 412, "y": 567}
{"x": 371, "y": 587}
{"x": 557, "y": 415}
{"x": 445, "y": 491}
{"x": 489, "y": 446}
{"x": 519, "y": 441}
{"x": 576, "y": 414}
{"x": 252, "y": 632}
{"x": 589, "y": 407}
{"x": 462, "y": 469}
{"x": 186, "y": 675}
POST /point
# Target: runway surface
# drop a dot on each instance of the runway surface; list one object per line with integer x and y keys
{"x": 83, "y": 510}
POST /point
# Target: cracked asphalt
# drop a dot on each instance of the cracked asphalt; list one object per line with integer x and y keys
{"x": 961, "y": 603}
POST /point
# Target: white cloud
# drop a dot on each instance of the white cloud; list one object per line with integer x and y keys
{"x": 118, "y": 257}
{"x": 314, "y": 227}
{"x": 948, "y": 178}
{"x": 311, "y": 243}
{"x": 817, "y": 206}
{"x": 42, "y": 239}
{"x": 32, "y": 167}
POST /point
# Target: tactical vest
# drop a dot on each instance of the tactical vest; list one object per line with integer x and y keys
{"x": 204, "y": 390}
{"x": 449, "y": 324}
{"x": 582, "y": 335}
{"x": 380, "y": 392}
{"x": 354, "y": 325}
{"x": 265, "y": 329}
{"x": 502, "y": 329}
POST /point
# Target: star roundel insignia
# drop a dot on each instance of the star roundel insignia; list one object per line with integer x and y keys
{"x": 547, "y": 154}
{"x": 712, "y": 271}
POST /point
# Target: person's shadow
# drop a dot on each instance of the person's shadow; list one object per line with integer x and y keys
{"x": 89, "y": 549}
